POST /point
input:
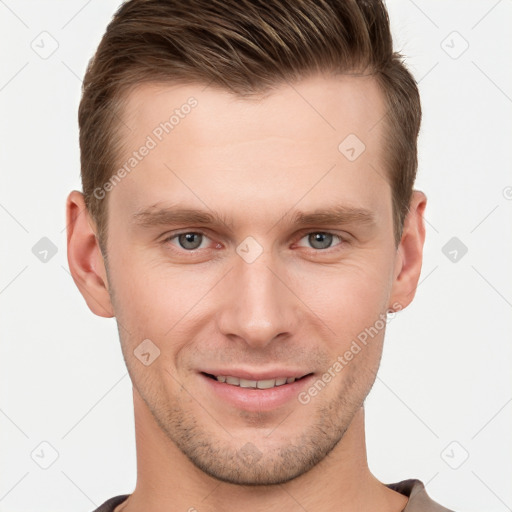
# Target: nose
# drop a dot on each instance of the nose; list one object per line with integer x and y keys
{"x": 257, "y": 303}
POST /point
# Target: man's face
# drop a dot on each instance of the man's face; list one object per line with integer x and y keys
{"x": 254, "y": 292}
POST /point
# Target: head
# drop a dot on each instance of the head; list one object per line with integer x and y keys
{"x": 290, "y": 129}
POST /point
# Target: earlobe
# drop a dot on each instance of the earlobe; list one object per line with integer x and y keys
{"x": 409, "y": 256}
{"x": 85, "y": 260}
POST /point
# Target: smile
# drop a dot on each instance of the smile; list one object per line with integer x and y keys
{"x": 253, "y": 384}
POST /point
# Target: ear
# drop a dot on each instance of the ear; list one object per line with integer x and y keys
{"x": 409, "y": 255}
{"x": 84, "y": 257}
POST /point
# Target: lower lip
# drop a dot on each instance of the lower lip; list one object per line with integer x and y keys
{"x": 257, "y": 399}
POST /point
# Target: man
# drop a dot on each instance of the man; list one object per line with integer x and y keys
{"x": 249, "y": 218}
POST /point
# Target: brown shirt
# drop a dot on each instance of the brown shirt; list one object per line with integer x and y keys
{"x": 419, "y": 500}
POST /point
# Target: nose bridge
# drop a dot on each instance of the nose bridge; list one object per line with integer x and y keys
{"x": 257, "y": 306}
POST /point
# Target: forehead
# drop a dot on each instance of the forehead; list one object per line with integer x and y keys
{"x": 267, "y": 149}
{"x": 314, "y": 106}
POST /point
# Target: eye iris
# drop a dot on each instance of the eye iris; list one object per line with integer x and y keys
{"x": 186, "y": 240}
{"x": 323, "y": 239}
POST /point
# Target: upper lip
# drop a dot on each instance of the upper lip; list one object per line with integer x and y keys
{"x": 277, "y": 373}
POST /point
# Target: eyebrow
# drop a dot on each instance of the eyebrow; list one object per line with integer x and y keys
{"x": 336, "y": 215}
{"x": 154, "y": 216}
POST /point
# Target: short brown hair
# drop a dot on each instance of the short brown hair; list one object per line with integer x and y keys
{"x": 247, "y": 47}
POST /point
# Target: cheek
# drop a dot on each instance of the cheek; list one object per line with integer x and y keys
{"x": 154, "y": 299}
{"x": 353, "y": 306}
{"x": 350, "y": 297}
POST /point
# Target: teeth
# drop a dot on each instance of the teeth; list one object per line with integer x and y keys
{"x": 247, "y": 383}
{"x": 267, "y": 384}
{"x": 255, "y": 384}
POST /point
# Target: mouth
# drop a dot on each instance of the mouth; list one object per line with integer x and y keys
{"x": 258, "y": 390}
{"x": 254, "y": 384}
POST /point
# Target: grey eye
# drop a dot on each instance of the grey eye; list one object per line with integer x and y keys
{"x": 320, "y": 240}
{"x": 190, "y": 240}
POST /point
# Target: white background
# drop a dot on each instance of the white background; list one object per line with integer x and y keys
{"x": 446, "y": 370}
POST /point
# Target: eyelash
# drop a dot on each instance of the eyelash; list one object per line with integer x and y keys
{"x": 342, "y": 240}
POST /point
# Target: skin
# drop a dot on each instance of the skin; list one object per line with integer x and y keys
{"x": 255, "y": 161}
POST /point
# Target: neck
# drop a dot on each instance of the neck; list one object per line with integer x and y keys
{"x": 167, "y": 481}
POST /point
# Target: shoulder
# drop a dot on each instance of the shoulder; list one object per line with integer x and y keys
{"x": 419, "y": 500}
{"x": 112, "y": 503}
